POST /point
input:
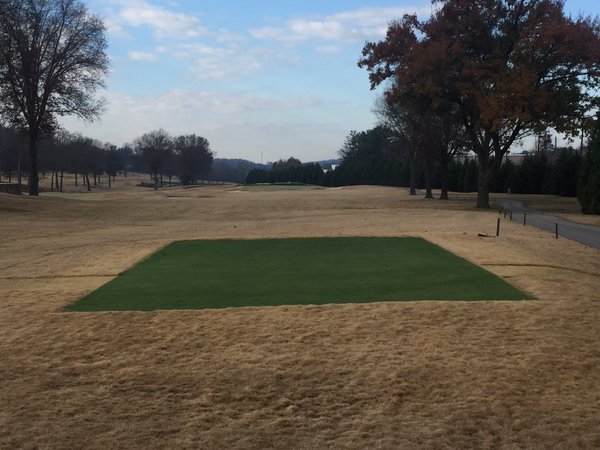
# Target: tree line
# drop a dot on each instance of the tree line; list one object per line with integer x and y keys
{"x": 370, "y": 157}
{"x": 287, "y": 171}
{"x": 52, "y": 61}
{"x": 589, "y": 180}
{"x": 475, "y": 76}
{"x": 187, "y": 157}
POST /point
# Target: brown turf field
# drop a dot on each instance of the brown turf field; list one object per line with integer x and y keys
{"x": 389, "y": 375}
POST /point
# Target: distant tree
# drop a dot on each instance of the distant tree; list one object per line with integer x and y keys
{"x": 63, "y": 157}
{"x": 286, "y": 164}
{"x": 468, "y": 176}
{"x": 567, "y": 169}
{"x": 232, "y": 170}
{"x": 367, "y": 158}
{"x": 310, "y": 173}
{"x": 10, "y": 152}
{"x": 531, "y": 172}
{"x": 52, "y": 60}
{"x": 127, "y": 157}
{"x": 433, "y": 136}
{"x": 510, "y": 68}
{"x": 155, "y": 148}
{"x": 505, "y": 176}
{"x": 589, "y": 181}
{"x": 194, "y": 158}
{"x": 113, "y": 162}
{"x": 49, "y": 150}
{"x": 90, "y": 159}
{"x": 406, "y": 136}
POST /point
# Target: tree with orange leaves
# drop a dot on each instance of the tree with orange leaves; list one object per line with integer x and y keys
{"x": 509, "y": 67}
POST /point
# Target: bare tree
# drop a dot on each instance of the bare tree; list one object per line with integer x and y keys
{"x": 52, "y": 60}
{"x": 406, "y": 137}
{"x": 433, "y": 135}
{"x": 113, "y": 162}
{"x": 155, "y": 148}
{"x": 194, "y": 156}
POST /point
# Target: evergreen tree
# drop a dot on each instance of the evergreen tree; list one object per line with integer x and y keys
{"x": 589, "y": 182}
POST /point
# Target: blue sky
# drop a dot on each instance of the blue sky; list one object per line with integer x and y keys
{"x": 259, "y": 79}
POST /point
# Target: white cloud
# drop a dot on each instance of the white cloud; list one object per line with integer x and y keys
{"x": 357, "y": 25}
{"x": 216, "y": 62}
{"x": 182, "y": 111}
{"x": 328, "y": 49}
{"x": 213, "y": 62}
{"x": 164, "y": 23}
{"x": 142, "y": 56}
{"x": 274, "y": 34}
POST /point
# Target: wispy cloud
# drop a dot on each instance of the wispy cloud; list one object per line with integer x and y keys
{"x": 142, "y": 56}
{"x": 328, "y": 49}
{"x": 226, "y": 61}
{"x": 185, "y": 111}
{"x": 356, "y": 25}
{"x": 175, "y": 105}
{"x": 163, "y": 22}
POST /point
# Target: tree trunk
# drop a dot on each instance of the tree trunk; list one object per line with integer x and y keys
{"x": 34, "y": 182}
{"x": 109, "y": 184}
{"x": 483, "y": 180}
{"x": 56, "y": 180}
{"x": 87, "y": 181}
{"x": 62, "y": 174}
{"x": 413, "y": 177}
{"x": 52, "y": 182}
{"x": 9, "y": 176}
{"x": 19, "y": 167}
{"x": 428, "y": 192}
{"x": 76, "y": 182}
{"x": 155, "y": 181}
{"x": 444, "y": 178}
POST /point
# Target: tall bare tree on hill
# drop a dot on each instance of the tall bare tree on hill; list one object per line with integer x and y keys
{"x": 52, "y": 61}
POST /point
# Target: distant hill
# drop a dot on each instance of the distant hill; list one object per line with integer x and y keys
{"x": 233, "y": 170}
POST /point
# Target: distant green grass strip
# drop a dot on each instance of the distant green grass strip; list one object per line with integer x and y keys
{"x": 234, "y": 273}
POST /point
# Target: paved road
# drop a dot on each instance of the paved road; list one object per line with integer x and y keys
{"x": 585, "y": 234}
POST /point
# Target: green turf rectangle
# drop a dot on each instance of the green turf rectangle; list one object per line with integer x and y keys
{"x": 234, "y": 273}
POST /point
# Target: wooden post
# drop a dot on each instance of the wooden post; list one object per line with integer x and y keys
{"x": 524, "y": 219}
{"x": 557, "y": 231}
{"x": 498, "y": 228}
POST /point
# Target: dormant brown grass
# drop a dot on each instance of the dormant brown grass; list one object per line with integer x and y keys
{"x": 388, "y": 375}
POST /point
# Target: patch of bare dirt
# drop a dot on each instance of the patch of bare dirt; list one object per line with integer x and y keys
{"x": 387, "y": 375}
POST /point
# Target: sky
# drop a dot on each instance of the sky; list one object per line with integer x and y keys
{"x": 260, "y": 79}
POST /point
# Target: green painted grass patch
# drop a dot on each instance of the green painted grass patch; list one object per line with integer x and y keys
{"x": 234, "y": 273}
